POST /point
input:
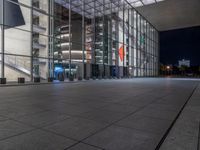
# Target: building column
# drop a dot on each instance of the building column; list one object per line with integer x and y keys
{"x": 70, "y": 42}
{"x": 83, "y": 39}
{"x": 51, "y": 38}
{"x": 2, "y": 41}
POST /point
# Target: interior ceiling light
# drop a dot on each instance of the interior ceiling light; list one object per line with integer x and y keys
{"x": 139, "y": 3}
{"x": 99, "y": 7}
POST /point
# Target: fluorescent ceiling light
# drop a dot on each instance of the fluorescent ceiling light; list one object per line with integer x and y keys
{"x": 146, "y": 2}
{"x": 139, "y": 3}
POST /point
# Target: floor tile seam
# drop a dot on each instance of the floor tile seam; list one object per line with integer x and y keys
{"x": 151, "y": 117}
{"x": 15, "y": 107}
{"x": 73, "y": 139}
{"x": 20, "y": 122}
{"x": 157, "y": 109}
{"x": 83, "y": 117}
{"x": 183, "y": 121}
{"x": 167, "y": 100}
{"x": 198, "y": 142}
{"x": 112, "y": 123}
{"x": 58, "y": 134}
{"x": 92, "y": 145}
{"x": 112, "y": 111}
{"x": 80, "y": 106}
{"x": 141, "y": 130}
{"x": 109, "y": 125}
{"x": 165, "y": 109}
{"x": 193, "y": 104}
{"x": 116, "y": 111}
{"x": 169, "y": 103}
{"x": 25, "y": 114}
{"x": 10, "y": 99}
{"x": 90, "y": 119}
{"x": 85, "y": 144}
{"x": 180, "y": 90}
{"x": 21, "y": 133}
{"x": 119, "y": 103}
{"x": 187, "y": 135}
{"x": 174, "y": 121}
{"x": 38, "y": 127}
{"x": 197, "y": 113}
{"x": 136, "y": 105}
{"x": 71, "y": 103}
{"x": 72, "y": 145}
{"x": 158, "y": 102}
{"x": 73, "y": 115}
{"x": 136, "y": 100}
{"x": 86, "y": 118}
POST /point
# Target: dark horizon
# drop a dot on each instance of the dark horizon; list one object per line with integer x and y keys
{"x": 180, "y": 44}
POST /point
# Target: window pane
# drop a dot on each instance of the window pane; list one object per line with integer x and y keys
{"x": 17, "y": 66}
{"x": 17, "y": 42}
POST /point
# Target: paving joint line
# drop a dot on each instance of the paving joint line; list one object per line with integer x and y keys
{"x": 17, "y": 134}
{"x": 174, "y": 121}
{"x": 198, "y": 142}
{"x": 82, "y": 141}
{"x": 37, "y": 128}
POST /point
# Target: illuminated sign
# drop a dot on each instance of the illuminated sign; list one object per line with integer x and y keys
{"x": 58, "y": 69}
{"x": 121, "y": 53}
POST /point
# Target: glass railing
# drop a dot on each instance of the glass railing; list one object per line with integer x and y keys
{"x": 19, "y": 63}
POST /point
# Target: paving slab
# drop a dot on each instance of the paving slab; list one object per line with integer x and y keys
{"x": 82, "y": 146}
{"x": 185, "y": 134}
{"x": 42, "y": 119}
{"x": 121, "y": 138}
{"x": 122, "y": 114}
{"x": 104, "y": 115}
{"x": 36, "y": 140}
{"x": 76, "y": 128}
{"x": 11, "y": 128}
{"x": 146, "y": 124}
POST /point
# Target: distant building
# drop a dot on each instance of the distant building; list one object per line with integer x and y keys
{"x": 184, "y": 62}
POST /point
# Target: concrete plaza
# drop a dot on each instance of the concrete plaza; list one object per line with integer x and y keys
{"x": 123, "y": 114}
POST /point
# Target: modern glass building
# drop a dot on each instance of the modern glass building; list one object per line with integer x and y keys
{"x": 79, "y": 38}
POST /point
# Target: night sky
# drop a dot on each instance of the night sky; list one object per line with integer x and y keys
{"x": 180, "y": 44}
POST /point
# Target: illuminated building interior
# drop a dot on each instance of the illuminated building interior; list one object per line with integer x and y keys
{"x": 76, "y": 38}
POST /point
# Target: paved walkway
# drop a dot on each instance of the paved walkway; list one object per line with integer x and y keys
{"x": 128, "y": 114}
{"x": 185, "y": 134}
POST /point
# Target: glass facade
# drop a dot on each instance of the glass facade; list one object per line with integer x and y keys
{"x": 79, "y": 38}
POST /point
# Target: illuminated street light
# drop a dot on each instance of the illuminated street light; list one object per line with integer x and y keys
{"x": 168, "y": 67}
